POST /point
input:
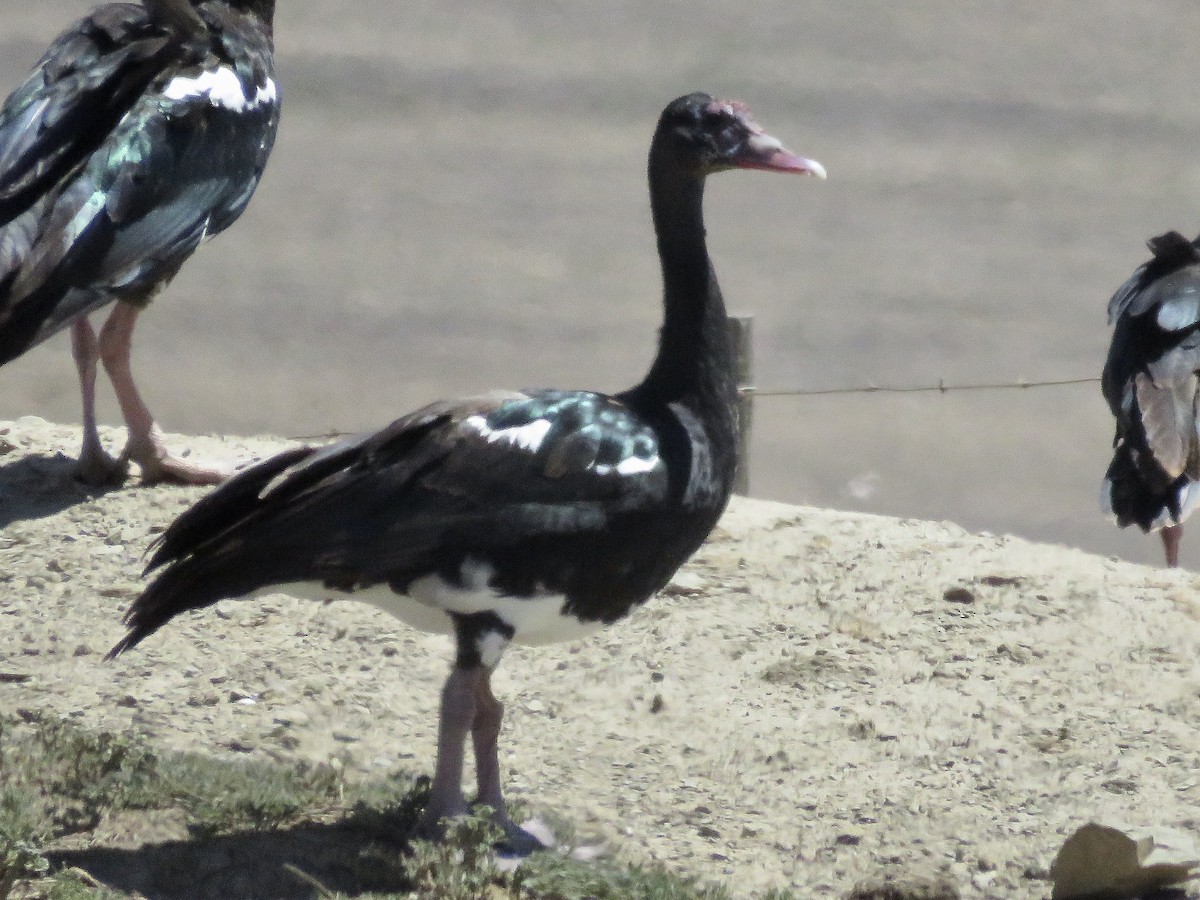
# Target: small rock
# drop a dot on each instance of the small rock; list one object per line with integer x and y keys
{"x": 958, "y": 595}
{"x": 685, "y": 583}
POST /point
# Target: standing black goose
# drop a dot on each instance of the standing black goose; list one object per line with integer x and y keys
{"x": 142, "y": 131}
{"x": 529, "y": 517}
{"x": 1152, "y": 386}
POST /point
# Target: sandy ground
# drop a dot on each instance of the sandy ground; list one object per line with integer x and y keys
{"x": 805, "y": 706}
{"x": 455, "y": 183}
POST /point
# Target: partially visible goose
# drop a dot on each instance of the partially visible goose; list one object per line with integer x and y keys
{"x": 141, "y": 132}
{"x": 528, "y": 516}
{"x": 1151, "y": 384}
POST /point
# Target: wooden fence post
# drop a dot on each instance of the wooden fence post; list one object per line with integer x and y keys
{"x": 741, "y": 330}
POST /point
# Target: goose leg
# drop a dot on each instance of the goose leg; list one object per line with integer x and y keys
{"x": 95, "y": 466}
{"x": 456, "y": 717}
{"x": 1171, "y": 536}
{"x": 485, "y": 733}
{"x": 145, "y": 446}
{"x": 469, "y": 707}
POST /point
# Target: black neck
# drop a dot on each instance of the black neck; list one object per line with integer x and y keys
{"x": 694, "y": 364}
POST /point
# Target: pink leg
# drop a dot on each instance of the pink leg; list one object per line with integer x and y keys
{"x": 1171, "y": 536}
{"x": 145, "y": 446}
{"x": 485, "y": 733}
{"x": 469, "y": 706}
{"x": 95, "y": 465}
{"x": 457, "y": 713}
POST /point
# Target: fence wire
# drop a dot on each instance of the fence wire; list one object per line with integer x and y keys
{"x": 746, "y": 390}
{"x": 942, "y": 387}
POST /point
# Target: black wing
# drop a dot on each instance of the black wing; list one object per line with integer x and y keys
{"x": 478, "y": 476}
{"x": 117, "y": 171}
{"x": 77, "y": 93}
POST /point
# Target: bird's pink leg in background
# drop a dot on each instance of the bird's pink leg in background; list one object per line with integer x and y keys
{"x": 95, "y": 465}
{"x": 145, "y": 445}
{"x": 1171, "y": 536}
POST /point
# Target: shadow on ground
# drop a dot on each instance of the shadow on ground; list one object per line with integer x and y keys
{"x": 358, "y": 855}
{"x": 37, "y": 486}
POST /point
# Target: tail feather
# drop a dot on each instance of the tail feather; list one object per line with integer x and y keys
{"x": 219, "y": 510}
{"x": 200, "y": 569}
{"x": 1137, "y": 492}
{"x": 192, "y": 583}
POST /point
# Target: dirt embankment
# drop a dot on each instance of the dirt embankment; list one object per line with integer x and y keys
{"x": 820, "y": 697}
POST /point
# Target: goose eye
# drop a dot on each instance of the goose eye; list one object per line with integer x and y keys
{"x": 729, "y": 138}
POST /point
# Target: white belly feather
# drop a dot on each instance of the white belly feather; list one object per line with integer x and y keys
{"x": 538, "y": 619}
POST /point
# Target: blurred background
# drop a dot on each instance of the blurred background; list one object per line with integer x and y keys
{"x": 457, "y": 202}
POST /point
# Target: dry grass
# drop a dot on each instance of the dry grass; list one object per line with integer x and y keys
{"x": 82, "y": 815}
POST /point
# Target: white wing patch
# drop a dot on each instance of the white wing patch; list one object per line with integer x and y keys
{"x": 265, "y": 94}
{"x": 631, "y": 465}
{"x": 222, "y": 87}
{"x": 526, "y": 437}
